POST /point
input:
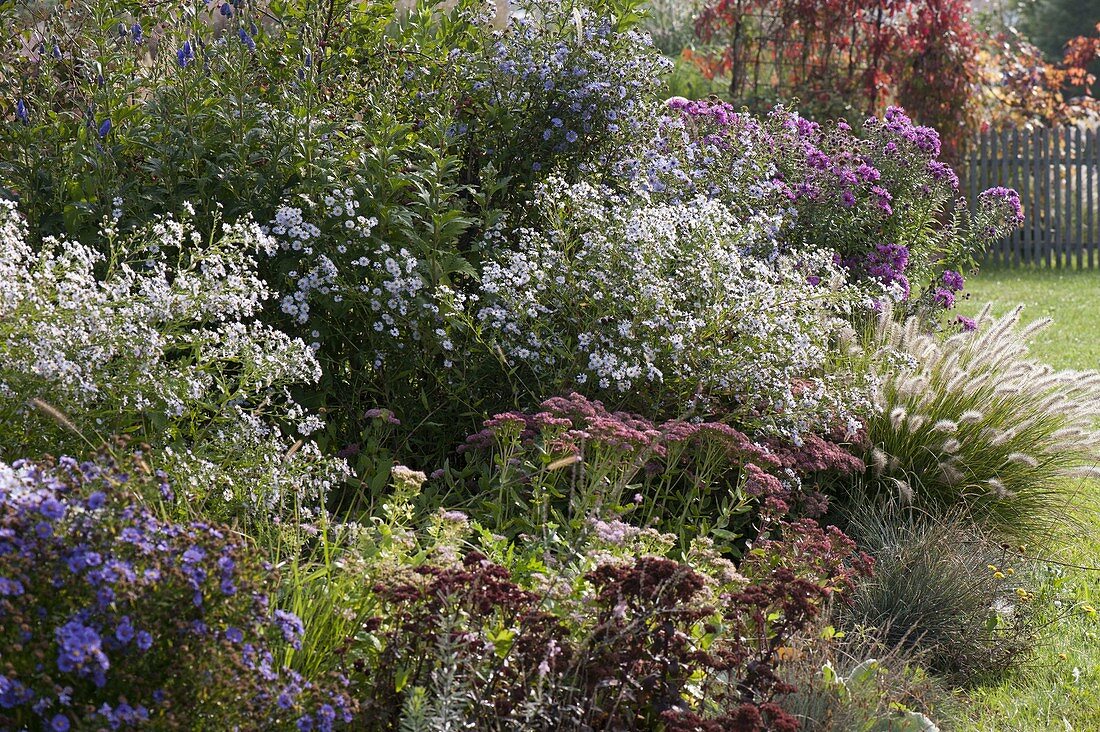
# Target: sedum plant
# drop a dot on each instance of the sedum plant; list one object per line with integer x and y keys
{"x": 969, "y": 422}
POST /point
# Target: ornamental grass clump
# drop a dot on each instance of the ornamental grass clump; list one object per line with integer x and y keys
{"x": 112, "y": 618}
{"x": 941, "y": 591}
{"x": 970, "y": 424}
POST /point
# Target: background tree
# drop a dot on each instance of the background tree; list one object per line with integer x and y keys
{"x": 1049, "y": 24}
{"x": 846, "y": 57}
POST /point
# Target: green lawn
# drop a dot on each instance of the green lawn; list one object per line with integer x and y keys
{"x": 1071, "y": 297}
{"x": 1058, "y": 688}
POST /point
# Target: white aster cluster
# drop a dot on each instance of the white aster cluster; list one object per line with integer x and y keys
{"x": 390, "y": 282}
{"x": 621, "y": 294}
{"x": 174, "y": 351}
{"x": 318, "y": 272}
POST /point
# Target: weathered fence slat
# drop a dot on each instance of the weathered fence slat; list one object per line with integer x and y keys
{"x": 1014, "y": 178}
{"x": 1090, "y": 148}
{"x": 1057, "y": 173}
{"x": 1026, "y": 235}
{"x": 1078, "y": 198}
{"x": 1056, "y": 185}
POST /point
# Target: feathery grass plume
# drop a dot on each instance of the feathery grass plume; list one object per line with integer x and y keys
{"x": 57, "y": 416}
{"x": 1017, "y": 428}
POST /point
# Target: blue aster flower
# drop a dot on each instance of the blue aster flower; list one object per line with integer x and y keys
{"x": 185, "y": 55}
{"x": 246, "y": 39}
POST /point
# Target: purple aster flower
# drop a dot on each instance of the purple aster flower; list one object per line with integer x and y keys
{"x": 868, "y": 173}
{"x": 967, "y": 324}
{"x": 124, "y": 631}
{"x": 326, "y": 715}
{"x": 953, "y": 280}
{"x": 13, "y": 693}
{"x": 52, "y": 509}
{"x": 817, "y": 159}
{"x": 80, "y": 651}
{"x": 847, "y": 199}
{"x": 944, "y": 298}
{"x": 1006, "y": 199}
{"x": 10, "y": 587}
{"x": 291, "y": 627}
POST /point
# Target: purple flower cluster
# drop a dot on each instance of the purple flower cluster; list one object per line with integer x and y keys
{"x": 901, "y": 127}
{"x": 80, "y": 651}
{"x": 881, "y": 185}
{"x": 887, "y": 262}
{"x": 967, "y": 324}
{"x": 951, "y": 283}
{"x": 1006, "y": 201}
{"x": 98, "y": 595}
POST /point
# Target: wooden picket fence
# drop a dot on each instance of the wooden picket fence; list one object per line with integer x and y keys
{"x": 1057, "y": 172}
